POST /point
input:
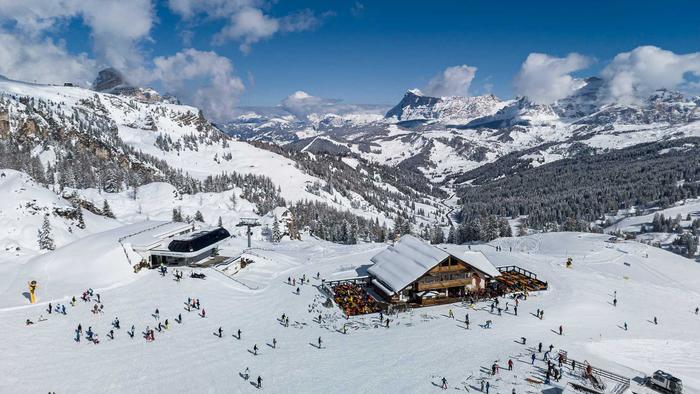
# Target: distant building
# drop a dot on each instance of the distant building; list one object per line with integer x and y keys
{"x": 174, "y": 243}
{"x": 68, "y": 84}
{"x": 413, "y": 271}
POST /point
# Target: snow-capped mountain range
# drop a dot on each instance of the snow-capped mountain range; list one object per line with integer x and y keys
{"x": 444, "y": 136}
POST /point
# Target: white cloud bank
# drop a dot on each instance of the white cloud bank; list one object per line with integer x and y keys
{"x": 218, "y": 90}
{"x": 545, "y": 79}
{"x": 453, "y": 81}
{"x": 635, "y": 74}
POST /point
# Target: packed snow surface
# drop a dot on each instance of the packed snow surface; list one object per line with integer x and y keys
{"x": 412, "y": 355}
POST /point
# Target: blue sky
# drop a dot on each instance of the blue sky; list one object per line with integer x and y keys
{"x": 372, "y": 51}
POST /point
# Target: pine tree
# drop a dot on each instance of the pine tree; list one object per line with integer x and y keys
{"x": 437, "y": 236}
{"x": 177, "y": 215}
{"x": 106, "y": 210}
{"x": 451, "y": 235}
{"x": 44, "y": 235}
{"x": 198, "y": 216}
{"x": 79, "y": 216}
{"x": 219, "y": 223}
{"x": 276, "y": 236}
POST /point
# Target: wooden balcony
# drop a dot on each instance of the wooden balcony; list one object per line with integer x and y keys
{"x": 449, "y": 268}
{"x": 443, "y": 284}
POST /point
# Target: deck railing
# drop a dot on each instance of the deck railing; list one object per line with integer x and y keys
{"x": 515, "y": 268}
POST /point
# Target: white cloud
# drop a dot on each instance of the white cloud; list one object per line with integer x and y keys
{"x": 43, "y": 61}
{"x": 302, "y": 104}
{"x": 116, "y": 26}
{"x": 246, "y": 22}
{"x": 545, "y": 79}
{"x": 634, "y": 75}
{"x": 357, "y": 9}
{"x": 204, "y": 79}
{"x": 453, "y": 81}
{"x": 248, "y": 26}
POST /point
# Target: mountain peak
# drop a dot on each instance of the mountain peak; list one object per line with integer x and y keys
{"x": 108, "y": 79}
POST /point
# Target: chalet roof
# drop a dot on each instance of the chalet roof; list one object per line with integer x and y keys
{"x": 399, "y": 265}
{"x": 474, "y": 258}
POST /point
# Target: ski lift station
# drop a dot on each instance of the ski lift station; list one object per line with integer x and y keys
{"x": 173, "y": 243}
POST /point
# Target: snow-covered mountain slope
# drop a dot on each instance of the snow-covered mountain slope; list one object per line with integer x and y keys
{"x": 647, "y": 282}
{"x": 23, "y": 206}
{"x": 122, "y": 140}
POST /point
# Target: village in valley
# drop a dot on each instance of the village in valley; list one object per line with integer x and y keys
{"x": 573, "y": 312}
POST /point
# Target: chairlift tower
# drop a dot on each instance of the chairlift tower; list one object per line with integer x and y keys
{"x": 248, "y": 223}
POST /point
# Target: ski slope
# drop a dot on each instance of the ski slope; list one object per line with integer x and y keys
{"x": 411, "y": 356}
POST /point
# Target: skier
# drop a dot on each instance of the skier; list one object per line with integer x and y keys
{"x": 655, "y": 321}
{"x": 98, "y": 298}
{"x": 239, "y": 333}
{"x": 615, "y": 301}
{"x": 220, "y": 332}
{"x": 533, "y": 358}
{"x": 286, "y": 322}
{"x": 492, "y": 306}
{"x": 499, "y": 311}
{"x": 274, "y": 343}
{"x": 510, "y": 364}
{"x": 298, "y": 291}
{"x": 197, "y": 303}
{"x": 167, "y": 325}
{"x": 515, "y": 310}
{"x": 444, "y": 383}
{"x": 466, "y": 319}
{"x": 539, "y": 348}
{"x": 561, "y": 330}
{"x": 387, "y": 323}
{"x": 625, "y": 326}
{"x": 50, "y": 308}
{"x": 320, "y": 318}
{"x": 63, "y": 309}
{"x": 111, "y": 334}
{"x": 246, "y": 373}
{"x": 204, "y": 313}
{"x": 541, "y": 314}
{"x": 523, "y": 339}
{"x": 494, "y": 369}
{"x": 80, "y": 328}
{"x": 451, "y": 315}
{"x": 179, "y": 317}
{"x": 255, "y": 350}
{"x": 259, "y": 382}
{"x": 538, "y": 312}
{"x": 157, "y": 314}
{"x": 88, "y": 333}
{"x": 116, "y": 323}
{"x": 697, "y": 309}
{"x": 132, "y": 332}
{"x": 72, "y": 301}
{"x": 319, "y": 342}
{"x": 482, "y": 386}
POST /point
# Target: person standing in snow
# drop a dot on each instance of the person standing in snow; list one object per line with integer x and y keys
{"x": 319, "y": 342}
{"x": 298, "y": 291}
{"x": 533, "y": 358}
{"x": 255, "y": 350}
{"x": 274, "y": 343}
{"x": 561, "y": 330}
{"x": 488, "y": 386}
{"x": 50, "y": 308}
{"x": 655, "y": 320}
{"x": 451, "y": 315}
{"x": 615, "y": 301}
{"x": 259, "y": 382}
{"x": 179, "y": 317}
{"x": 221, "y": 332}
{"x": 625, "y": 326}
{"x": 239, "y": 333}
{"x": 539, "y": 348}
{"x": 156, "y": 315}
{"x": 542, "y": 314}
{"x": 482, "y": 386}
{"x": 204, "y": 313}
{"x": 444, "y": 383}
{"x": 510, "y": 364}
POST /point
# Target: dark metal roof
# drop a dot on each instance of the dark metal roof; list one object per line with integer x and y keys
{"x": 198, "y": 241}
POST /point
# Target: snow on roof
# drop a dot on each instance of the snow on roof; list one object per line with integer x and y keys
{"x": 475, "y": 259}
{"x": 153, "y": 233}
{"x": 399, "y": 265}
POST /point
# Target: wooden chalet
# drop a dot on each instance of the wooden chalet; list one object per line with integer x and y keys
{"x": 413, "y": 271}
